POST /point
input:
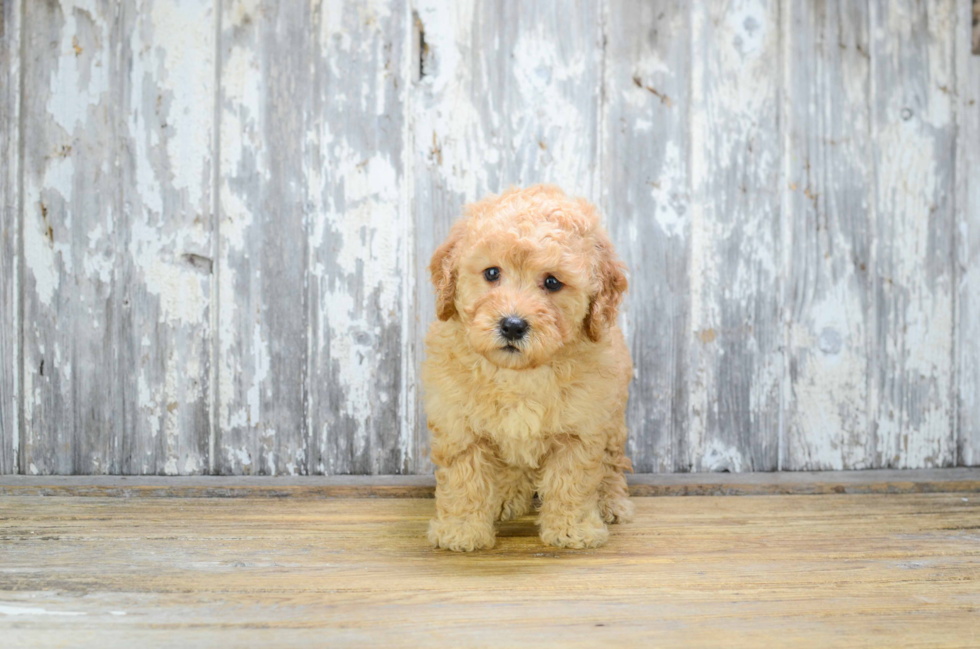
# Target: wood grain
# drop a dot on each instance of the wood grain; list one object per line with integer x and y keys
{"x": 66, "y": 324}
{"x": 116, "y": 221}
{"x": 775, "y": 571}
{"x": 829, "y": 298}
{"x": 645, "y": 190}
{"x": 967, "y": 344}
{"x": 736, "y": 367}
{"x": 312, "y": 270}
{"x": 163, "y": 341}
{"x": 10, "y": 34}
{"x": 266, "y": 129}
{"x": 361, "y": 393}
{"x": 914, "y": 153}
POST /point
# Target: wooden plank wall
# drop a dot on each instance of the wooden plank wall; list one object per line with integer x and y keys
{"x": 217, "y": 216}
{"x": 829, "y": 283}
{"x": 116, "y": 130}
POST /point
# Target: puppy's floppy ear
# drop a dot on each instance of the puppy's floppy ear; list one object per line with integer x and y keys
{"x": 443, "y": 269}
{"x": 604, "y": 306}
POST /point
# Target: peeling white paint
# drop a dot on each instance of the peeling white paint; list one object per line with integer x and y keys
{"x": 82, "y": 77}
{"x": 409, "y": 434}
{"x": 369, "y": 240}
{"x": 670, "y": 192}
{"x": 733, "y": 114}
{"x": 260, "y": 372}
{"x": 47, "y": 252}
{"x": 180, "y": 287}
{"x": 296, "y": 464}
{"x": 967, "y": 322}
{"x": 555, "y": 116}
{"x": 87, "y": 141}
{"x": 149, "y": 406}
{"x": 239, "y": 455}
{"x": 828, "y": 166}
{"x": 718, "y": 456}
{"x": 97, "y": 263}
{"x": 830, "y": 397}
{"x": 448, "y": 128}
{"x": 183, "y": 45}
{"x": 353, "y": 351}
{"x": 464, "y": 136}
{"x": 242, "y": 97}
{"x": 914, "y": 133}
{"x": 40, "y": 256}
{"x": 241, "y": 90}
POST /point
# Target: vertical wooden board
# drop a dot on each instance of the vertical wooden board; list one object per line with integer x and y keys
{"x": 645, "y": 192}
{"x": 967, "y": 100}
{"x": 912, "y": 112}
{"x": 359, "y": 240}
{"x": 829, "y": 296}
{"x": 266, "y": 127}
{"x": 70, "y": 191}
{"x": 10, "y": 29}
{"x": 508, "y": 95}
{"x": 165, "y": 107}
{"x": 735, "y": 237}
{"x": 116, "y": 223}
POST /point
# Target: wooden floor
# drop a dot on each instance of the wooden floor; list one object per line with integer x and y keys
{"x": 857, "y": 570}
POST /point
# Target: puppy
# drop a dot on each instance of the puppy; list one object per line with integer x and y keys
{"x": 526, "y": 373}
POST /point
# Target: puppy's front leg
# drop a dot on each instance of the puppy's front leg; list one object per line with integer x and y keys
{"x": 569, "y": 489}
{"x": 465, "y": 499}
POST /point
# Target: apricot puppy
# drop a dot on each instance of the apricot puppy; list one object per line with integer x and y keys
{"x": 526, "y": 375}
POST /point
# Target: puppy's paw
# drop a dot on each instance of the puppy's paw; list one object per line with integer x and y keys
{"x": 616, "y": 510}
{"x": 460, "y": 535}
{"x": 581, "y": 535}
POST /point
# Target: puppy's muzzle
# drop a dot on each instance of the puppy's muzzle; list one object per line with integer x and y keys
{"x": 513, "y": 328}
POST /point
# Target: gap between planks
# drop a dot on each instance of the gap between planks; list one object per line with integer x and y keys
{"x": 958, "y": 480}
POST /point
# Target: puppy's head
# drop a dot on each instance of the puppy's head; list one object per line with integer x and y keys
{"x": 526, "y": 273}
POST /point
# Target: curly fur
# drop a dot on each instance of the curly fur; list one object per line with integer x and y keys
{"x": 550, "y": 417}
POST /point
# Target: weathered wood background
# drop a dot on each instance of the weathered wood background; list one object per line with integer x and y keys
{"x": 217, "y": 215}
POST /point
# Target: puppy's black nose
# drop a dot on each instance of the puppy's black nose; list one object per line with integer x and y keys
{"x": 513, "y": 328}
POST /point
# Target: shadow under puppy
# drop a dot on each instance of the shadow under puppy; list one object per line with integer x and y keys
{"x": 526, "y": 375}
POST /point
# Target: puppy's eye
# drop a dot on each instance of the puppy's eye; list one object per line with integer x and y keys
{"x": 491, "y": 274}
{"x": 552, "y": 284}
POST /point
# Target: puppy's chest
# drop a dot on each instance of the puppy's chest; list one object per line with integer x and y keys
{"x": 521, "y": 415}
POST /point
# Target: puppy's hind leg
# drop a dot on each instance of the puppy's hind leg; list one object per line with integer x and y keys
{"x": 515, "y": 490}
